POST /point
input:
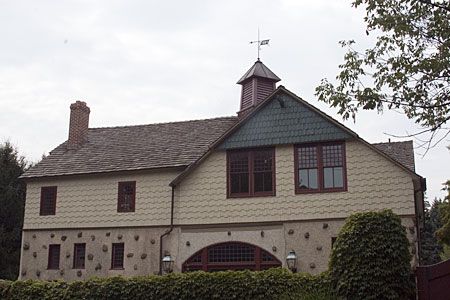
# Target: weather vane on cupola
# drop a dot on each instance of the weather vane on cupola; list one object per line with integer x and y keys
{"x": 260, "y": 43}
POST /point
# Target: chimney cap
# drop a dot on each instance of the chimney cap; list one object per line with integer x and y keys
{"x": 79, "y": 105}
{"x": 259, "y": 70}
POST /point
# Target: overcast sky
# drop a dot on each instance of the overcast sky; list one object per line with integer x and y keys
{"x": 140, "y": 62}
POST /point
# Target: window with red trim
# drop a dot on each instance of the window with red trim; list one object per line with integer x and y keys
{"x": 251, "y": 172}
{"x": 79, "y": 255}
{"x": 320, "y": 167}
{"x": 117, "y": 255}
{"x": 48, "y": 200}
{"x": 126, "y": 196}
{"x": 54, "y": 251}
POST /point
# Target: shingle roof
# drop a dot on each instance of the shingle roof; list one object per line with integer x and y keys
{"x": 402, "y": 152}
{"x": 134, "y": 148}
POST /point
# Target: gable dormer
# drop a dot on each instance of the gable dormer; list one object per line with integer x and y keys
{"x": 257, "y": 83}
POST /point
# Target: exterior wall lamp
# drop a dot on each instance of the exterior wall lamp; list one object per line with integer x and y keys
{"x": 291, "y": 261}
{"x": 167, "y": 263}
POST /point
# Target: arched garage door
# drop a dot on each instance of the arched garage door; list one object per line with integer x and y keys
{"x": 231, "y": 256}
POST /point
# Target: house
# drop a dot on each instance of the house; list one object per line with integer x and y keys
{"x": 240, "y": 192}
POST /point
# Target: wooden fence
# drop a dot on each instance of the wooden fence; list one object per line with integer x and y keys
{"x": 433, "y": 282}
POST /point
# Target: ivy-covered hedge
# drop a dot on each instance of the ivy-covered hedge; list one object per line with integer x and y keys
{"x": 371, "y": 259}
{"x": 269, "y": 284}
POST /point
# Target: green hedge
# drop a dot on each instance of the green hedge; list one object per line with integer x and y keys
{"x": 269, "y": 284}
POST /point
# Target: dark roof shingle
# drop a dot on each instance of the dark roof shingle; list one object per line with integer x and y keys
{"x": 134, "y": 148}
{"x": 402, "y": 152}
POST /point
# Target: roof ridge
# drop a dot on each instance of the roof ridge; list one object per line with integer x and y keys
{"x": 164, "y": 123}
{"x": 397, "y": 142}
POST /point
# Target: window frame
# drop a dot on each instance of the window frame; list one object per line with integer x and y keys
{"x": 320, "y": 167}
{"x": 120, "y": 186}
{"x": 51, "y": 249}
{"x": 251, "y": 182}
{"x": 74, "y": 265}
{"x": 45, "y": 189}
{"x": 113, "y": 251}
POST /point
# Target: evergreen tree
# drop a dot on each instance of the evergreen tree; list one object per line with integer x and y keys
{"x": 12, "y": 201}
{"x": 430, "y": 247}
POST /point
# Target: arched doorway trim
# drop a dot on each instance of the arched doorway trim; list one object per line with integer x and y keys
{"x": 230, "y": 256}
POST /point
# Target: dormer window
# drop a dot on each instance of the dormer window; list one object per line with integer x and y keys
{"x": 126, "y": 196}
{"x": 251, "y": 173}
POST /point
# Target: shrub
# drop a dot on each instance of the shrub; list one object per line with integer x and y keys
{"x": 370, "y": 258}
{"x": 269, "y": 284}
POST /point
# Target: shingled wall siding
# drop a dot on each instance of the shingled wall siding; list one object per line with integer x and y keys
{"x": 373, "y": 183}
{"x": 91, "y": 201}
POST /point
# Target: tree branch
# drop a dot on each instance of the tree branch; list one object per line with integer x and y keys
{"x": 428, "y": 2}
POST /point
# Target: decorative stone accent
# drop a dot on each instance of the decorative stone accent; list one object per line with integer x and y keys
{"x": 129, "y": 255}
{"x": 108, "y": 234}
{"x": 319, "y": 248}
{"x": 152, "y": 241}
{"x": 79, "y": 273}
{"x": 312, "y": 265}
{"x": 135, "y": 267}
{"x": 229, "y": 232}
{"x": 166, "y": 252}
{"x": 44, "y": 246}
{"x": 63, "y": 238}
{"x": 262, "y": 233}
{"x": 119, "y": 236}
{"x": 291, "y": 231}
{"x": 90, "y": 256}
{"x": 412, "y": 230}
{"x": 136, "y": 237}
{"x": 38, "y": 273}
{"x": 104, "y": 248}
{"x": 274, "y": 249}
{"x": 24, "y": 272}
{"x": 34, "y": 254}
{"x": 26, "y": 246}
{"x": 98, "y": 267}
{"x": 61, "y": 272}
{"x": 80, "y": 234}
{"x": 188, "y": 243}
{"x": 92, "y": 237}
{"x": 52, "y": 235}
{"x": 67, "y": 254}
{"x": 143, "y": 255}
{"x": 34, "y": 236}
{"x": 307, "y": 235}
{"x": 325, "y": 225}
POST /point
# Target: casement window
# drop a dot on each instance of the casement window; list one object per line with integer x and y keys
{"x": 48, "y": 200}
{"x": 251, "y": 172}
{"x": 117, "y": 255}
{"x": 79, "y": 255}
{"x": 54, "y": 251}
{"x": 126, "y": 196}
{"x": 320, "y": 168}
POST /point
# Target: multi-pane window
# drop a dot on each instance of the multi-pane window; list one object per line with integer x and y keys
{"x": 54, "y": 251}
{"x": 48, "y": 200}
{"x": 320, "y": 167}
{"x": 126, "y": 196}
{"x": 79, "y": 254}
{"x": 251, "y": 172}
{"x": 117, "y": 255}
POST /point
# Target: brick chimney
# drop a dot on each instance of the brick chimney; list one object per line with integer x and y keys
{"x": 257, "y": 83}
{"x": 79, "y": 124}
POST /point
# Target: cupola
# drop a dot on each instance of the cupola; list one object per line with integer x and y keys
{"x": 257, "y": 83}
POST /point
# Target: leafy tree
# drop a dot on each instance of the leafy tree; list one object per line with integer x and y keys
{"x": 371, "y": 259}
{"x": 443, "y": 233}
{"x": 431, "y": 249}
{"x": 12, "y": 200}
{"x": 408, "y": 69}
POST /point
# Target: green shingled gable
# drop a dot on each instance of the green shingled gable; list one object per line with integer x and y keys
{"x": 274, "y": 124}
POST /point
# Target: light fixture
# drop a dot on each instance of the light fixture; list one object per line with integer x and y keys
{"x": 291, "y": 261}
{"x": 167, "y": 263}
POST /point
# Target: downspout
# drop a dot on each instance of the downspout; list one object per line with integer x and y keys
{"x": 168, "y": 231}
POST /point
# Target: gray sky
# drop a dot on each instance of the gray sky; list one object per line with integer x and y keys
{"x": 139, "y": 62}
